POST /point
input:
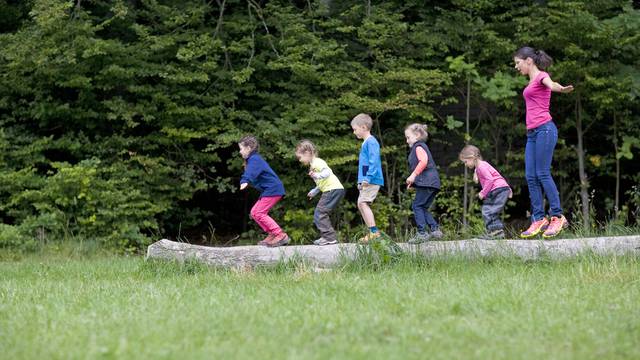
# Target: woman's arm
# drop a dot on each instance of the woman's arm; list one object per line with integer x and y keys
{"x": 554, "y": 86}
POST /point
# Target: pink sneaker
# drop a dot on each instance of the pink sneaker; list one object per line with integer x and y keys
{"x": 267, "y": 240}
{"x": 536, "y": 228}
{"x": 556, "y": 226}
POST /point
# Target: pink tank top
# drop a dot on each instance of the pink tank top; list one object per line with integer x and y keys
{"x": 537, "y": 98}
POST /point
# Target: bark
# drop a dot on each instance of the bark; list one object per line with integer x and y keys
{"x": 584, "y": 183}
{"x": 616, "y": 206}
{"x": 332, "y": 255}
{"x": 465, "y": 200}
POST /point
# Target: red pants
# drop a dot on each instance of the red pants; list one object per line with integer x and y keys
{"x": 260, "y": 213}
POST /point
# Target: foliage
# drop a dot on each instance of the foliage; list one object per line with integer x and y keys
{"x": 118, "y": 119}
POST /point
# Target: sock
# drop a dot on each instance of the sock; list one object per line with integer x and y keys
{"x": 373, "y": 229}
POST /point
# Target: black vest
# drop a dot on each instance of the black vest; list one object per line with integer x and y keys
{"x": 429, "y": 176}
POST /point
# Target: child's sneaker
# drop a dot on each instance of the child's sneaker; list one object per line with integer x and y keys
{"x": 419, "y": 238}
{"x": 437, "y": 234}
{"x": 370, "y": 236}
{"x": 266, "y": 240}
{"x": 492, "y": 235}
{"x": 322, "y": 241}
{"x": 279, "y": 240}
{"x": 536, "y": 228}
{"x": 558, "y": 223}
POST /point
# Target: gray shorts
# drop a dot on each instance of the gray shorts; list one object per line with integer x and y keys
{"x": 368, "y": 193}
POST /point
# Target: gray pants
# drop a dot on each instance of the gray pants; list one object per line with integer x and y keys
{"x": 492, "y": 207}
{"x": 322, "y": 215}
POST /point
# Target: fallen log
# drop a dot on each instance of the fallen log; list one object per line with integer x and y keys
{"x": 331, "y": 255}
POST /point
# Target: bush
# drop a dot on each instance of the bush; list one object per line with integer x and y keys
{"x": 12, "y": 237}
{"x": 86, "y": 200}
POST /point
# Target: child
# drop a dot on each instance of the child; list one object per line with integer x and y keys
{"x": 495, "y": 191}
{"x": 369, "y": 172}
{"x": 327, "y": 183}
{"x": 258, "y": 173}
{"x": 425, "y": 180}
{"x": 542, "y": 136}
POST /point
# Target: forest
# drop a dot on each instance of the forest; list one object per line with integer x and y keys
{"x": 119, "y": 120}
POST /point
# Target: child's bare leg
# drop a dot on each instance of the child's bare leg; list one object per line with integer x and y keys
{"x": 367, "y": 214}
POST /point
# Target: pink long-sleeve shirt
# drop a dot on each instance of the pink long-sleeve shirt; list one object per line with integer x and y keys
{"x": 489, "y": 178}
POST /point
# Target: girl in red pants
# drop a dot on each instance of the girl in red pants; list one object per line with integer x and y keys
{"x": 260, "y": 175}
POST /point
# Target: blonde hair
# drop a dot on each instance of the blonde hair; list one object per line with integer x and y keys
{"x": 471, "y": 152}
{"x": 305, "y": 146}
{"x": 418, "y": 129}
{"x": 249, "y": 141}
{"x": 362, "y": 120}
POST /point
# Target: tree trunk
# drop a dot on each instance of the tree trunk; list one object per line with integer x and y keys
{"x": 465, "y": 200}
{"x": 584, "y": 184}
{"x": 616, "y": 204}
{"x": 332, "y": 255}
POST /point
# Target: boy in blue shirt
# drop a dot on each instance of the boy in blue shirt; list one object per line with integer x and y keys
{"x": 369, "y": 172}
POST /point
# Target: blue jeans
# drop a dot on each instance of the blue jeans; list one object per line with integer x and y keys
{"x": 421, "y": 204}
{"x": 538, "y": 155}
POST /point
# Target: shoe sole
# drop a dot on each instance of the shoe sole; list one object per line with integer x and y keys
{"x": 554, "y": 235}
{"x": 541, "y": 230}
{"x": 564, "y": 226}
{"x": 282, "y": 242}
{"x": 529, "y": 236}
{"x": 364, "y": 241}
{"x": 327, "y": 243}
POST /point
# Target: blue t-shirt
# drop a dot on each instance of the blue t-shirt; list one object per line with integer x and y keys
{"x": 260, "y": 175}
{"x": 369, "y": 163}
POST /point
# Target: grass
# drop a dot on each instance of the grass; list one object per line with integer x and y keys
{"x": 76, "y": 305}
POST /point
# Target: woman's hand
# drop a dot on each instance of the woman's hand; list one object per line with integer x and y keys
{"x": 565, "y": 89}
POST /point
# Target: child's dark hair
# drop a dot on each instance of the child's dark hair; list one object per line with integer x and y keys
{"x": 539, "y": 57}
{"x": 250, "y": 141}
{"x": 306, "y": 146}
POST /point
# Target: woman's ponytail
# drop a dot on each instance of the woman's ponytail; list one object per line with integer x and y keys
{"x": 543, "y": 60}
